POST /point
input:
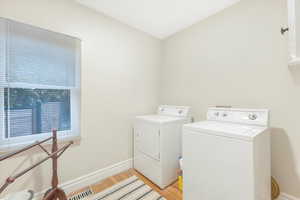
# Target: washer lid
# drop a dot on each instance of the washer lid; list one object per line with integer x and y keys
{"x": 158, "y": 118}
{"x": 239, "y": 131}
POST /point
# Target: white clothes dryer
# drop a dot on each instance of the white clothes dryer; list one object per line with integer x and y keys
{"x": 157, "y": 143}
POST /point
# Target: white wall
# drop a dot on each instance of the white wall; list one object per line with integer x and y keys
{"x": 119, "y": 80}
{"x": 238, "y": 57}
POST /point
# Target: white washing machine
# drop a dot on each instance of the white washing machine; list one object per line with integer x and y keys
{"x": 157, "y": 143}
{"x": 228, "y": 156}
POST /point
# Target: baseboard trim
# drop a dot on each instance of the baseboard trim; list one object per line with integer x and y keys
{"x": 106, "y": 172}
{"x": 92, "y": 178}
{"x": 284, "y": 196}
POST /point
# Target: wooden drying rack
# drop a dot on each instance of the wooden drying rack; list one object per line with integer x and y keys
{"x": 55, "y": 192}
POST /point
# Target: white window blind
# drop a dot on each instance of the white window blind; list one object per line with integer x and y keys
{"x": 37, "y": 58}
{"x": 39, "y": 83}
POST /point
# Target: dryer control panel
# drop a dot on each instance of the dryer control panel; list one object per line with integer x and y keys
{"x": 176, "y": 111}
{"x": 238, "y": 115}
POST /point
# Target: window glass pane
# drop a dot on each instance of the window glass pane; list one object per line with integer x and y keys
{"x": 36, "y": 111}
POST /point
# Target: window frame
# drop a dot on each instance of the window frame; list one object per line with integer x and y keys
{"x": 9, "y": 144}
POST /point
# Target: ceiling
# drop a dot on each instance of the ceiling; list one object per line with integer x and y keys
{"x": 160, "y": 18}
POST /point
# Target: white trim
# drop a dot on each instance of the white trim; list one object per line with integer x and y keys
{"x": 285, "y": 196}
{"x": 92, "y": 178}
{"x": 36, "y": 86}
{"x": 48, "y": 144}
{"x": 292, "y": 28}
{"x": 292, "y": 42}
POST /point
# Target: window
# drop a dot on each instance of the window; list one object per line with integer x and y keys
{"x": 39, "y": 84}
{"x": 36, "y": 111}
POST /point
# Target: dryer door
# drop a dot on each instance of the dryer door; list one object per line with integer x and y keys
{"x": 147, "y": 136}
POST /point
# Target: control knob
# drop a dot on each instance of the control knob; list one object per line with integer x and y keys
{"x": 252, "y": 116}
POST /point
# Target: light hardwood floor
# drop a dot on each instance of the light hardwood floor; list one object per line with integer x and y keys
{"x": 171, "y": 193}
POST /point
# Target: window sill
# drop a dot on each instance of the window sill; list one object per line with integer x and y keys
{"x": 14, "y": 147}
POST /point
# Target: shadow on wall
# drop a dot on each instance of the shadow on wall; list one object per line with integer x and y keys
{"x": 282, "y": 153}
{"x": 36, "y": 174}
{"x": 34, "y": 178}
{"x": 25, "y": 182}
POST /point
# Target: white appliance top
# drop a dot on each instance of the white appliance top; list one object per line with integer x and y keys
{"x": 166, "y": 113}
{"x": 235, "y": 123}
{"x": 158, "y": 118}
{"x": 238, "y": 131}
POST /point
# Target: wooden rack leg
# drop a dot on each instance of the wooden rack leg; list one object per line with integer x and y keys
{"x": 55, "y": 193}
